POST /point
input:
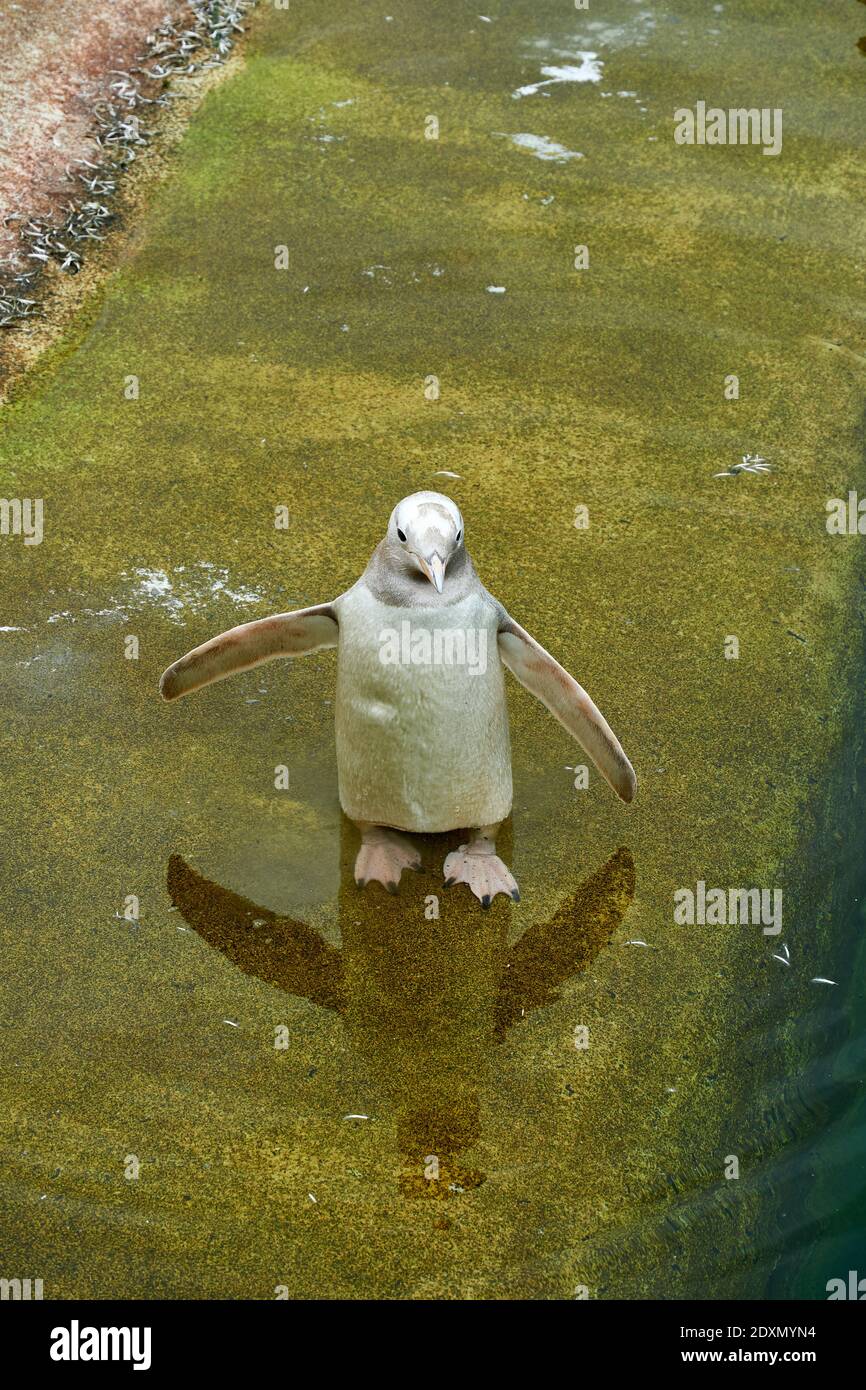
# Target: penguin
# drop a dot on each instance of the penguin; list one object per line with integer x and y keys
{"x": 420, "y": 711}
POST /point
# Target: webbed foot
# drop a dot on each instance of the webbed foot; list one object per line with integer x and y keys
{"x": 478, "y": 866}
{"x": 383, "y": 856}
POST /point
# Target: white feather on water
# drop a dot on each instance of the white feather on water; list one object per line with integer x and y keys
{"x": 587, "y": 70}
{"x": 541, "y": 146}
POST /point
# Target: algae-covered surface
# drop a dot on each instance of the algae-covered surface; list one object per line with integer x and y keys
{"x": 270, "y": 1081}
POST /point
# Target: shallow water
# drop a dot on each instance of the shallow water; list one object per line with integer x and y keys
{"x": 492, "y": 1158}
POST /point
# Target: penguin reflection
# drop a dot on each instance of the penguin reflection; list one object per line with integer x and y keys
{"x": 424, "y": 1000}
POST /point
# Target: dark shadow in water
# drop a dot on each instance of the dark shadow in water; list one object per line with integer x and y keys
{"x": 424, "y": 1000}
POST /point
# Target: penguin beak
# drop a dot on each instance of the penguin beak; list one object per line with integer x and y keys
{"x": 434, "y": 568}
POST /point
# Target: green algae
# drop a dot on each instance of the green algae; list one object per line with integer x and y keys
{"x": 601, "y": 1167}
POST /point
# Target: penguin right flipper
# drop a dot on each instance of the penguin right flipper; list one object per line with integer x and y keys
{"x": 568, "y": 702}
{"x": 241, "y": 648}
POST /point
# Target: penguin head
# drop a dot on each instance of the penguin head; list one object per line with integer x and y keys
{"x": 424, "y": 533}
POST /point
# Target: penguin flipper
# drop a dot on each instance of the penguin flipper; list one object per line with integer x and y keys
{"x": 568, "y": 702}
{"x": 241, "y": 648}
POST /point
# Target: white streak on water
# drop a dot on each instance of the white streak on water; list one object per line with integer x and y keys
{"x": 588, "y": 70}
{"x": 541, "y": 147}
{"x": 190, "y": 588}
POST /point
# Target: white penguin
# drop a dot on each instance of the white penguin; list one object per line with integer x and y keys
{"x": 421, "y": 715}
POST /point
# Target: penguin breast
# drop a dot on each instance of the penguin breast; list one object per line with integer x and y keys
{"x": 420, "y": 715}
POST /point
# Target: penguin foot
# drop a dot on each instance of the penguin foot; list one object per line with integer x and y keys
{"x": 480, "y": 868}
{"x": 383, "y": 856}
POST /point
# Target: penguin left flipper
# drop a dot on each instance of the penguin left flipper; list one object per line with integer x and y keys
{"x": 568, "y": 702}
{"x": 241, "y": 648}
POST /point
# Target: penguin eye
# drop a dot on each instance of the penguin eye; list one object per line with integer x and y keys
{"x": 400, "y": 534}
{"x": 457, "y": 541}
